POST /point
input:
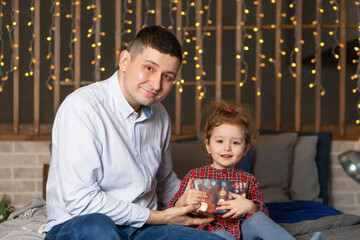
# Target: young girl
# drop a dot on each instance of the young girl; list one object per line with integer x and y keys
{"x": 229, "y": 132}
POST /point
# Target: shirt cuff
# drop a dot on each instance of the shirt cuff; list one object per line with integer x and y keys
{"x": 139, "y": 215}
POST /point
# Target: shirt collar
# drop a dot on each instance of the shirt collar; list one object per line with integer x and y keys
{"x": 220, "y": 170}
{"x": 147, "y": 111}
{"x": 125, "y": 108}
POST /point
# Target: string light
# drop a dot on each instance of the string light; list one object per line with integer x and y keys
{"x": 357, "y": 72}
{"x": 50, "y": 54}
{"x": 2, "y": 79}
{"x": 31, "y": 44}
{"x": 317, "y": 81}
{"x": 91, "y": 32}
{"x": 126, "y": 21}
{"x": 185, "y": 39}
{"x": 10, "y": 28}
{"x": 240, "y": 55}
{"x": 69, "y": 68}
{"x": 333, "y": 33}
{"x": 171, "y": 17}
{"x": 296, "y": 49}
{"x": 147, "y": 12}
{"x": 199, "y": 61}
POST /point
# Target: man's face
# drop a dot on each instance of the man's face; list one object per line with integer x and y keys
{"x": 148, "y": 78}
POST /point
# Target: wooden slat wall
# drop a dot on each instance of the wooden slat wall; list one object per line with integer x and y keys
{"x": 218, "y": 68}
{"x": 342, "y": 63}
{"x": 278, "y": 74}
{"x": 239, "y": 49}
{"x": 258, "y": 60}
{"x": 118, "y": 24}
{"x": 57, "y": 55}
{"x": 16, "y": 73}
{"x": 198, "y": 71}
{"x": 97, "y": 76}
{"x": 77, "y": 46}
{"x": 37, "y": 23}
{"x": 158, "y": 12}
{"x": 298, "y": 61}
{"x": 138, "y": 17}
{"x": 198, "y": 31}
{"x": 318, "y": 64}
{"x": 178, "y": 33}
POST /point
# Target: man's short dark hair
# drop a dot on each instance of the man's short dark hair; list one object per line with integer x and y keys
{"x": 157, "y": 38}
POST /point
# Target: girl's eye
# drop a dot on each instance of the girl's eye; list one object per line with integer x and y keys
{"x": 236, "y": 143}
{"x": 219, "y": 141}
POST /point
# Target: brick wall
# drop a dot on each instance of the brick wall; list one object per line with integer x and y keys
{"x": 345, "y": 192}
{"x": 21, "y": 164}
{"x": 21, "y": 173}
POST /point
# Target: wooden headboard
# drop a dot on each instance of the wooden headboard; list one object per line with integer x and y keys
{"x": 45, "y": 176}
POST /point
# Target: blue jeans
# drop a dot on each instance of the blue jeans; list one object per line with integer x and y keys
{"x": 225, "y": 234}
{"x": 98, "y": 226}
{"x": 260, "y": 226}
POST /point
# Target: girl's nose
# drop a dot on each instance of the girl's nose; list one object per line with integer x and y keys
{"x": 227, "y": 147}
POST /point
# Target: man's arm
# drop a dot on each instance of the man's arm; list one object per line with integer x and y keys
{"x": 176, "y": 216}
{"x": 78, "y": 163}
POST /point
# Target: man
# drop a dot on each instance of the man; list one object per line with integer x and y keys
{"x": 111, "y": 160}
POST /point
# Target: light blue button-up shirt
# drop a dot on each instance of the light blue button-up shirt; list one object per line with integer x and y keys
{"x": 107, "y": 159}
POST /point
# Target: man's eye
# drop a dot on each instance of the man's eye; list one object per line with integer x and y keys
{"x": 149, "y": 68}
{"x": 167, "y": 77}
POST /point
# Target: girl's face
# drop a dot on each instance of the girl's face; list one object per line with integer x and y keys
{"x": 226, "y": 145}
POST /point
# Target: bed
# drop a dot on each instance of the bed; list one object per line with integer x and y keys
{"x": 293, "y": 169}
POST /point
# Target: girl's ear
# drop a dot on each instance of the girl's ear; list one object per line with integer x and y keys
{"x": 247, "y": 147}
{"x": 207, "y": 145}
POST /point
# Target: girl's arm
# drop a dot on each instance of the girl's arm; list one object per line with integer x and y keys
{"x": 181, "y": 190}
{"x": 186, "y": 195}
{"x": 191, "y": 196}
{"x": 238, "y": 207}
{"x": 241, "y": 206}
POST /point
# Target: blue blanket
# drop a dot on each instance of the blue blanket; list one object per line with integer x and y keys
{"x": 297, "y": 211}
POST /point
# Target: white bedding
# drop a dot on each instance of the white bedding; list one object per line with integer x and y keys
{"x": 25, "y": 223}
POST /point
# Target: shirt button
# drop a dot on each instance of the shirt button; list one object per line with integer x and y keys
{"x": 137, "y": 154}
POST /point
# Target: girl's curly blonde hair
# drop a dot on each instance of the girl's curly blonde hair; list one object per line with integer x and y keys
{"x": 231, "y": 113}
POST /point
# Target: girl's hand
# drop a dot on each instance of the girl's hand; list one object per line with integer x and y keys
{"x": 191, "y": 197}
{"x": 237, "y": 207}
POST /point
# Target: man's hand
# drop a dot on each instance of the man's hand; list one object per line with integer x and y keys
{"x": 176, "y": 216}
{"x": 237, "y": 207}
{"x": 191, "y": 197}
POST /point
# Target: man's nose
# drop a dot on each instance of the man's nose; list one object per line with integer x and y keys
{"x": 156, "y": 82}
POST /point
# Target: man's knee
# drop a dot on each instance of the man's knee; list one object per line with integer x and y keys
{"x": 95, "y": 226}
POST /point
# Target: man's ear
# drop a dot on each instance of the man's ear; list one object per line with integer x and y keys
{"x": 247, "y": 147}
{"x": 125, "y": 58}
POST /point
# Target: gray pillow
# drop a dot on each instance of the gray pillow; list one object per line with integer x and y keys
{"x": 188, "y": 155}
{"x": 305, "y": 183}
{"x": 273, "y": 161}
{"x": 270, "y": 194}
